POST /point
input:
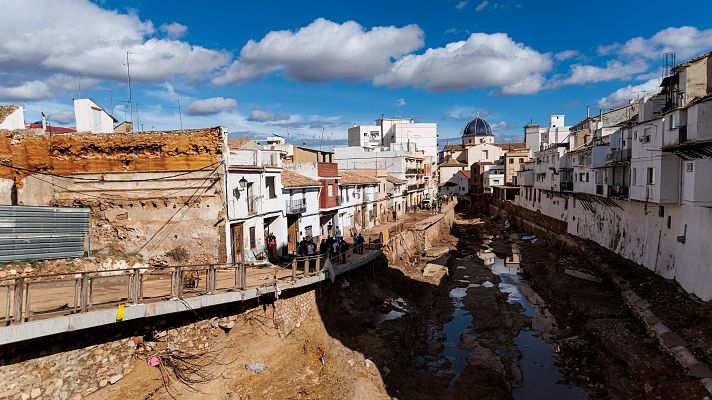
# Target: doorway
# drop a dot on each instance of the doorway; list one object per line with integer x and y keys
{"x": 292, "y": 233}
{"x": 238, "y": 243}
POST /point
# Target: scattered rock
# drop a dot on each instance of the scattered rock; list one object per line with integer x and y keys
{"x": 115, "y": 378}
{"x": 36, "y": 392}
{"x": 583, "y": 275}
{"x": 227, "y": 326}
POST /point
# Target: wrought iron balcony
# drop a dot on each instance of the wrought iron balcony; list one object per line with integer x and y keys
{"x": 297, "y": 206}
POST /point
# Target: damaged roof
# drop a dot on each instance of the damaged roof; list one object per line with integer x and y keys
{"x": 6, "y": 110}
{"x": 352, "y": 178}
{"x": 294, "y": 180}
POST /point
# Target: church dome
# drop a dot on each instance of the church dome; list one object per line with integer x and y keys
{"x": 477, "y": 127}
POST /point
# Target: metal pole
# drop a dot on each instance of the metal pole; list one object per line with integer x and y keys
{"x": 85, "y": 292}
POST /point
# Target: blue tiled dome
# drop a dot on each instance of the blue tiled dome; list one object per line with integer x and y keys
{"x": 477, "y": 127}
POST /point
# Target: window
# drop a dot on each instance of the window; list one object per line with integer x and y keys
{"x": 521, "y": 160}
{"x": 673, "y": 121}
{"x": 330, "y": 190}
{"x": 269, "y": 181}
{"x": 651, "y": 176}
{"x": 511, "y": 160}
{"x": 633, "y": 176}
{"x": 253, "y": 243}
{"x": 688, "y": 167}
{"x": 485, "y": 153}
{"x": 308, "y": 231}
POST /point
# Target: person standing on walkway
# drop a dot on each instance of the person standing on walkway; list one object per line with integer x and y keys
{"x": 359, "y": 243}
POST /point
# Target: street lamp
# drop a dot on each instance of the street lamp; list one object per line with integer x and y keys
{"x": 242, "y": 182}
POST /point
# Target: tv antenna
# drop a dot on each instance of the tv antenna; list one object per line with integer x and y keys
{"x": 128, "y": 77}
{"x": 180, "y": 114}
{"x": 79, "y": 85}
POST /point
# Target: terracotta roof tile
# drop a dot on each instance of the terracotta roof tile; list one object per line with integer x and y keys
{"x": 452, "y": 163}
{"x": 511, "y": 145}
{"x": 393, "y": 179}
{"x": 467, "y": 173}
{"x": 352, "y": 178}
{"x": 294, "y": 180}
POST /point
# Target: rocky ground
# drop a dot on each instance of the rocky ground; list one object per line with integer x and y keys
{"x": 387, "y": 331}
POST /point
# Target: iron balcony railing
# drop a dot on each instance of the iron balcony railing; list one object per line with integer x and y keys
{"x": 618, "y": 155}
{"x": 297, "y": 206}
{"x": 569, "y": 186}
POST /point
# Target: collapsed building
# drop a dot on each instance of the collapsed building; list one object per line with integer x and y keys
{"x": 150, "y": 193}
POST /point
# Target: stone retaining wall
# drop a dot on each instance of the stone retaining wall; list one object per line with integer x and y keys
{"x": 71, "y": 366}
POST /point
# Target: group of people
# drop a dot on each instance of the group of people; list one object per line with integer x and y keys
{"x": 332, "y": 245}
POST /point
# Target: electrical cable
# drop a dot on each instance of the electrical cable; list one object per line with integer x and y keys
{"x": 179, "y": 210}
{"x": 37, "y": 171}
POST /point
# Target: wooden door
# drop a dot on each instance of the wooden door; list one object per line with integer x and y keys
{"x": 238, "y": 243}
{"x": 293, "y": 232}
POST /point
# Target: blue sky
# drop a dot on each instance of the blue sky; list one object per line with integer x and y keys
{"x": 299, "y": 67}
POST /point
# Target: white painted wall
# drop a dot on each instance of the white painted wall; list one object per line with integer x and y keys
{"x": 638, "y": 232}
{"x": 91, "y": 117}
{"x": 14, "y": 121}
{"x": 484, "y": 152}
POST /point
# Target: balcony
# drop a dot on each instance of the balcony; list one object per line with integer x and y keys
{"x": 567, "y": 186}
{"x": 411, "y": 171}
{"x": 412, "y": 187}
{"x": 618, "y": 156}
{"x": 255, "y": 158}
{"x": 297, "y": 206}
{"x": 252, "y": 205}
{"x": 618, "y": 191}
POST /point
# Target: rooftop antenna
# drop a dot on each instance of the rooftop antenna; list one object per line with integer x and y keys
{"x": 128, "y": 76}
{"x": 79, "y": 85}
{"x": 138, "y": 119}
{"x": 180, "y": 114}
{"x": 111, "y": 100}
{"x": 286, "y": 111}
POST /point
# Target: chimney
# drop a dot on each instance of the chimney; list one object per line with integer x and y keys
{"x": 44, "y": 122}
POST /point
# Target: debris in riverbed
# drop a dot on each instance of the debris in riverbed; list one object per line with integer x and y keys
{"x": 583, "y": 275}
{"x": 256, "y": 367}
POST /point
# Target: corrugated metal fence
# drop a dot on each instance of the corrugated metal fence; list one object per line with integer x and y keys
{"x": 39, "y": 233}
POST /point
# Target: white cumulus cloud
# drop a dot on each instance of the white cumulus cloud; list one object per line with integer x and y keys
{"x": 210, "y": 106}
{"x": 62, "y": 37}
{"x": 483, "y": 60}
{"x": 482, "y": 5}
{"x": 323, "y": 51}
{"x": 685, "y": 41}
{"x": 174, "y": 30}
{"x": 630, "y": 92}
{"x": 614, "y": 70}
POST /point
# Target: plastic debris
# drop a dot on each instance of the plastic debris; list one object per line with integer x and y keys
{"x": 154, "y": 361}
{"x": 256, "y": 367}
